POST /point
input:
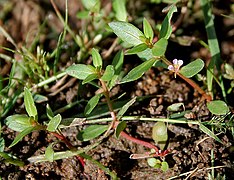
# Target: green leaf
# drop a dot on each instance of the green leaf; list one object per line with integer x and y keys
{"x": 159, "y": 134}
{"x": 127, "y": 32}
{"x": 54, "y": 123}
{"x": 92, "y": 103}
{"x": 18, "y": 122}
{"x": 148, "y": 31}
{"x": 21, "y": 135}
{"x": 175, "y": 107}
{"x": 166, "y": 29}
{"x": 152, "y": 162}
{"x": 160, "y": 47}
{"x": 138, "y": 71}
{"x": 40, "y": 98}
{"x": 213, "y": 42}
{"x": 209, "y": 132}
{"x": 57, "y": 156}
{"x": 109, "y": 73}
{"x": 119, "y": 6}
{"x": 10, "y": 159}
{"x": 120, "y": 127}
{"x": 80, "y": 71}
{"x": 218, "y": 107}
{"x": 192, "y": 68}
{"x": 229, "y": 72}
{"x": 96, "y": 7}
{"x": 97, "y": 59}
{"x": 91, "y": 132}
{"x": 89, "y": 4}
{"x": 164, "y": 166}
{"x": 49, "y": 153}
{"x": 2, "y": 144}
{"x": 118, "y": 62}
{"x": 49, "y": 112}
{"x": 90, "y": 78}
{"x": 29, "y": 104}
{"x": 83, "y": 15}
{"x": 136, "y": 49}
{"x": 125, "y": 107}
{"x": 146, "y": 54}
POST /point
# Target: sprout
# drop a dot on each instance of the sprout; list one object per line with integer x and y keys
{"x": 176, "y": 66}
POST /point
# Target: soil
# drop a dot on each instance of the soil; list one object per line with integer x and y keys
{"x": 190, "y": 149}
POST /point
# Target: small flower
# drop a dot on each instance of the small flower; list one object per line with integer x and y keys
{"x": 176, "y": 66}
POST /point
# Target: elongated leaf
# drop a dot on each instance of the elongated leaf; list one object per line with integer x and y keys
{"x": 90, "y": 78}
{"x": 97, "y": 59}
{"x": 54, "y": 123}
{"x": 218, "y": 107}
{"x": 8, "y": 37}
{"x": 192, "y": 68}
{"x": 213, "y": 44}
{"x": 49, "y": 153}
{"x": 21, "y": 135}
{"x": 166, "y": 29}
{"x": 92, "y": 104}
{"x": 148, "y": 31}
{"x": 136, "y": 49}
{"x": 18, "y": 122}
{"x": 118, "y": 62}
{"x": 109, "y": 73}
{"x": 209, "y": 132}
{"x": 49, "y": 112}
{"x": 91, "y": 132}
{"x": 2, "y": 144}
{"x": 138, "y": 71}
{"x": 125, "y": 107}
{"x": 120, "y": 9}
{"x": 89, "y": 4}
{"x": 80, "y": 71}
{"x": 121, "y": 126}
{"x": 127, "y": 32}
{"x": 9, "y": 159}
{"x": 160, "y": 47}
{"x": 29, "y": 103}
{"x": 57, "y": 156}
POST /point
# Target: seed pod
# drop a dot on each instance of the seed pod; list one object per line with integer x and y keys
{"x": 159, "y": 134}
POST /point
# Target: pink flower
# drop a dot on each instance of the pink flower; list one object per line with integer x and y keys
{"x": 175, "y": 67}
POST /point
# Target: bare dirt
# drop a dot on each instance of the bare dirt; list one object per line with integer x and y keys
{"x": 190, "y": 149}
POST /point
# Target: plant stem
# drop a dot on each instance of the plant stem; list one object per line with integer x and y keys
{"x": 115, "y": 121}
{"x": 69, "y": 145}
{"x": 195, "y": 86}
{"x": 138, "y": 141}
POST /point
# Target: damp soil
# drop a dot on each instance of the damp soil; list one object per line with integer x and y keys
{"x": 189, "y": 148}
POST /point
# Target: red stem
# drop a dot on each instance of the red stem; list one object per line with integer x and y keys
{"x": 69, "y": 145}
{"x": 138, "y": 141}
{"x": 195, "y": 86}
